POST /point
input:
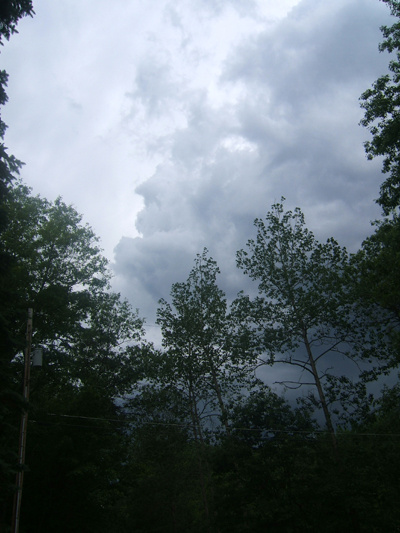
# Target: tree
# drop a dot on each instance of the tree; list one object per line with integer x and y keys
{"x": 263, "y": 416}
{"x": 273, "y": 475}
{"x": 377, "y": 264}
{"x": 163, "y": 485}
{"x": 59, "y": 266}
{"x": 305, "y": 314}
{"x": 11, "y": 11}
{"x": 76, "y": 449}
{"x": 378, "y": 261}
{"x": 87, "y": 331}
{"x": 371, "y": 470}
{"x": 382, "y": 116}
{"x": 198, "y": 361}
{"x": 197, "y": 336}
{"x": 89, "y": 335}
{"x": 261, "y": 470}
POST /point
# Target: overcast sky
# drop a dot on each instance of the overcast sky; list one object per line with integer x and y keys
{"x": 171, "y": 125}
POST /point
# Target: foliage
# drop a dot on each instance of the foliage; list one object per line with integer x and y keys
{"x": 306, "y": 314}
{"x": 60, "y": 272}
{"x": 11, "y": 11}
{"x": 75, "y": 446}
{"x": 196, "y": 330}
{"x": 164, "y": 481}
{"x": 285, "y": 481}
{"x": 264, "y": 416}
{"x": 89, "y": 335}
{"x": 141, "y": 463}
{"x": 62, "y": 275}
{"x": 382, "y": 116}
{"x": 377, "y": 266}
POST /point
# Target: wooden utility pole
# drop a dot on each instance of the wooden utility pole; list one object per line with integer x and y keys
{"x": 23, "y": 429}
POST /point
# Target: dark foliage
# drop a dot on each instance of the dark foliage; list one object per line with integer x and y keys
{"x": 382, "y": 116}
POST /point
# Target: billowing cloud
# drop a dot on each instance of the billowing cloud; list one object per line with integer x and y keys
{"x": 287, "y": 127}
{"x": 172, "y": 128}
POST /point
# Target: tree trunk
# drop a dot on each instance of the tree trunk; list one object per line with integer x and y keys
{"x": 321, "y": 394}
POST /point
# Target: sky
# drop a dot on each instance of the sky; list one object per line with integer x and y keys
{"x": 171, "y": 125}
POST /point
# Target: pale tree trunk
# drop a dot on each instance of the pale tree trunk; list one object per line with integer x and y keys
{"x": 320, "y": 390}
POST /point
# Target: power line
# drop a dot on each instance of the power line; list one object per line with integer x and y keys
{"x": 189, "y": 425}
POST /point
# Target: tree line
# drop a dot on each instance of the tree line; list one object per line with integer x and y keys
{"x": 123, "y": 436}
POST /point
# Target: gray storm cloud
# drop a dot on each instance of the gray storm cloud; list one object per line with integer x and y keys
{"x": 292, "y": 130}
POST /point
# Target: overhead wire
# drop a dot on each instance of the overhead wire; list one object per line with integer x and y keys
{"x": 189, "y": 425}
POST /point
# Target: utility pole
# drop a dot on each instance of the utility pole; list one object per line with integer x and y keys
{"x": 23, "y": 429}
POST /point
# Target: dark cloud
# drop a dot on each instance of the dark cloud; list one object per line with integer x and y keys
{"x": 216, "y": 108}
{"x": 292, "y": 129}
{"x": 315, "y": 48}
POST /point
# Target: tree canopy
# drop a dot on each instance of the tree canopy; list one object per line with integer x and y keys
{"x": 382, "y": 116}
{"x": 307, "y": 314}
{"x": 89, "y": 335}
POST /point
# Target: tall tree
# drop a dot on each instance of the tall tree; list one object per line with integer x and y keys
{"x": 58, "y": 263}
{"x": 198, "y": 359}
{"x": 378, "y": 260}
{"x": 382, "y": 116}
{"x": 89, "y": 335}
{"x": 61, "y": 273}
{"x": 11, "y": 11}
{"x": 197, "y": 336}
{"x": 305, "y": 313}
{"x": 377, "y": 266}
